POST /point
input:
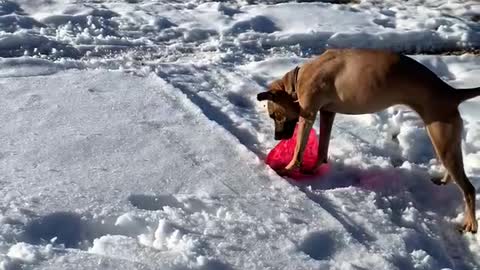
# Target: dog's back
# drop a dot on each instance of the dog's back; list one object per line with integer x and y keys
{"x": 356, "y": 81}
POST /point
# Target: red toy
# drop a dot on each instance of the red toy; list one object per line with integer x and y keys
{"x": 282, "y": 153}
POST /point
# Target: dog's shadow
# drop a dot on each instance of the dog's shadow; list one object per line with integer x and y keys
{"x": 394, "y": 191}
{"x": 414, "y": 183}
{"x": 400, "y": 187}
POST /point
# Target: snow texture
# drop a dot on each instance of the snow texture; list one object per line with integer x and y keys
{"x": 131, "y": 138}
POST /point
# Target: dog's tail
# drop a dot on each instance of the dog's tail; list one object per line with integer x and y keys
{"x": 467, "y": 93}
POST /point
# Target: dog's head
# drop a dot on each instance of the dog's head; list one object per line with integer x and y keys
{"x": 283, "y": 108}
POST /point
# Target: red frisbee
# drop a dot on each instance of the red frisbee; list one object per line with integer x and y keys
{"x": 282, "y": 153}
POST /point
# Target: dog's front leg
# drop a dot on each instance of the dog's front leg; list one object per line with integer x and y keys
{"x": 326, "y": 123}
{"x": 304, "y": 127}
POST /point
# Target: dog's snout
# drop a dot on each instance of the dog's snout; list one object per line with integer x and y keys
{"x": 282, "y": 136}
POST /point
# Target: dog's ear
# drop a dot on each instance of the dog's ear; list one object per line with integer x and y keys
{"x": 265, "y": 96}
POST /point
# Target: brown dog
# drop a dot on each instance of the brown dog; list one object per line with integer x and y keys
{"x": 367, "y": 81}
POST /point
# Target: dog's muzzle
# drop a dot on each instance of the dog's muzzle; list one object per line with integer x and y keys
{"x": 287, "y": 132}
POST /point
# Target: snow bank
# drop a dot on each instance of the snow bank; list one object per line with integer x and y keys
{"x": 74, "y": 30}
{"x": 361, "y": 26}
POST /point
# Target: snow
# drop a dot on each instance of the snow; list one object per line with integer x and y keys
{"x": 132, "y": 139}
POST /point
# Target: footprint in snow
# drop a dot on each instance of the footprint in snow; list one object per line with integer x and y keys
{"x": 76, "y": 231}
{"x": 318, "y": 245}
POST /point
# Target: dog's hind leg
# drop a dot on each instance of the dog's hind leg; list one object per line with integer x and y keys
{"x": 445, "y": 133}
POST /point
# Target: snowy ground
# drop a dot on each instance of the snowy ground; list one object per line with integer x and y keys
{"x": 131, "y": 138}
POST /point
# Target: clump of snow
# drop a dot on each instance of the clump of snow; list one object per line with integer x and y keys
{"x": 112, "y": 244}
{"x": 130, "y": 224}
{"x": 168, "y": 237}
{"x": 421, "y": 260}
{"x": 29, "y": 254}
{"x": 415, "y": 144}
{"x": 24, "y": 252}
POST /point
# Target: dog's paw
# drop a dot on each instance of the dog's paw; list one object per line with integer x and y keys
{"x": 468, "y": 227}
{"x": 289, "y": 168}
{"x": 284, "y": 172}
{"x": 438, "y": 181}
{"x": 441, "y": 180}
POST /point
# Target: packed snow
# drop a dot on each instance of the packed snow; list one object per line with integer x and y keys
{"x": 132, "y": 139}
